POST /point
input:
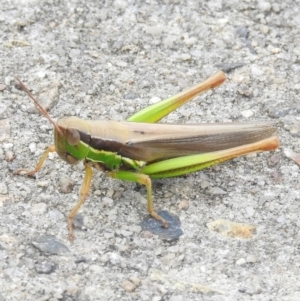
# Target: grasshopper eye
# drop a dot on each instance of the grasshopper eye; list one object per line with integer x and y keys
{"x": 73, "y": 136}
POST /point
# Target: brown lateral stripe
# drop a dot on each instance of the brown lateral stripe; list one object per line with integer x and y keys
{"x": 100, "y": 144}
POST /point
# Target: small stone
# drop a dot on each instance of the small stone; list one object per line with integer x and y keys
{"x": 155, "y": 31}
{"x": 293, "y": 296}
{"x": 231, "y": 229}
{"x": 3, "y": 188}
{"x": 128, "y": 286}
{"x": 9, "y": 156}
{"x": 183, "y": 205}
{"x": 122, "y": 248}
{"x": 120, "y": 4}
{"x": 251, "y": 258}
{"x": 135, "y": 228}
{"x": 50, "y": 245}
{"x": 275, "y": 50}
{"x": 154, "y": 100}
{"x": 227, "y": 67}
{"x": 45, "y": 267}
{"x": 80, "y": 260}
{"x": 281, "y": 219}
{"x": 147, "y": 234}
{"x": 185, "y": 57}
{"x": 78, "y": 222}
{"x": 42, "y": 183}
{"x": 4, "y": 129}
{"x": 106, "y": 201}
{"x": 55, "y": 215}
{"x": 120, "y": 63}
{"x": 125, "y": 233}
{"x": 264, "y": 29}
{"x": 173, "y": 249}
{"x": 242, "y": 32}
{"x": 97, "y": 269}
{"x": 90, "y": 24}
{"x": 247, "y": 113}
{"x": 250, "y": 211}
{"x": 66, "y": 184}
{"x": 241, "y": 261}
{"x": 204, "y": 184}
{"x": 292, "y": 155}
{"x": 2, "y": 87}
{"x": 168, "y": 258}
{"x": 7, "y": 146}
{"x": 39, "y": 209}
{"x": 217, "y": 191}
{"x": 256, "y": 71}
{"x": 32, "y": 147}
{"x": 264, "y": 6}
{"x": 276, "y": 9}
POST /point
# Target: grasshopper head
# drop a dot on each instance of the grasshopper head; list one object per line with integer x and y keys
{"x": 67, "y": 141}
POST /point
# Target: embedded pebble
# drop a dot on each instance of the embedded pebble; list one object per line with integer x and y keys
{"x": 106, "y": 201}
{"x": 217, "y": 191}
{"x": 185, "y": 57}
{"x": 128, "y": 286}
{"x": 173, "y": 232}
{"x": 3, "y": 188}
{"x": 264, "y": 29}
{"x": 66, "y": 184}
{"x": 264, "y": 6}
{"x": 49, "y": 244}
{"x": 55, "y": 215}
{"x": 256, "y": 71}
{"x": 231, "y": 229}
{"x": 227, "y": 67}
{"x": 97, "y": 269}
{"x": 251, "y": 258}
{"x": 38, "y": 209}
{"x": 32, "y": 147}
{"x": 154, "y": 100}
{"x": 281, "y": 219}
{"x": 183, "y": 205}
{"x": 120, "y": 4}
{"x": 292, "y": 155}
{"x": 250, "y": 211}
{"x": 4, "y": 129}
{"x": 9, "y": 156}
{"x": 247, "y": 113}
{"x": 45, "y": 267}
{"x": 241, "y": 261}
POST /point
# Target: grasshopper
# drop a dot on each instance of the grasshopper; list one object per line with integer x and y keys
{"x": 139, "y": 149}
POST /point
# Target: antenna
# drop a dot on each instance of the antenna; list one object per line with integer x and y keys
{"x": 39, "y": 107}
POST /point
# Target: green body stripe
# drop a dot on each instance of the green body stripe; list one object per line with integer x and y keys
{"x": 111, "y": 160}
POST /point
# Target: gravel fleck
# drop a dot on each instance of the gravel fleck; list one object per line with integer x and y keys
{"x": 39, "y": 209}
{"x": 241, "y": 261}
{"x": 66, "y": 184}
{"x": 3, "y": 188}
{"x": 45, "y": 267}
{"x": 128, "y": 286}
